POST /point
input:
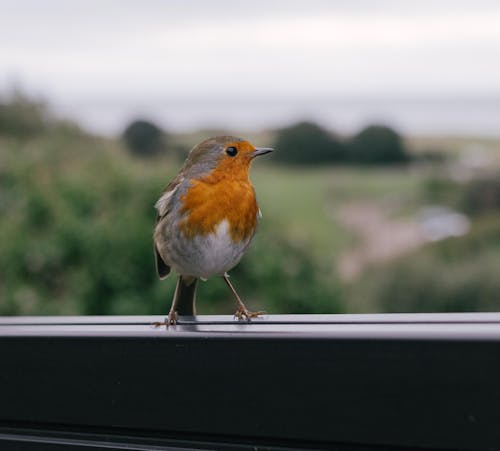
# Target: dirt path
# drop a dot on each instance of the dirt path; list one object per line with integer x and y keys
{"x": 381, "y": 238}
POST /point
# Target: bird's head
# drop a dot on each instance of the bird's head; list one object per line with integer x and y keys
{"x": 227, "y": 155}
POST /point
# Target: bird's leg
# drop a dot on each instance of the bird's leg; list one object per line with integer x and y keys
{"x": 242, "y": 312}
{"x": 171, "y": 319}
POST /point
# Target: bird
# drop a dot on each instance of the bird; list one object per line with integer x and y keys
{"x": 206, "y": 218}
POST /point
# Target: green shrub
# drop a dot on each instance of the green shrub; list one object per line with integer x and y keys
{"x": 376, "y": 145}
{"x": 143, "y": 138}
{"x": 286, "y": 278}
{"x": 482, "y": 196}
{"x": 454, "y": 275}
{"x": 477, "y": 197}
{"x": 307, "y": 143}
{"x": 22, "y": 117}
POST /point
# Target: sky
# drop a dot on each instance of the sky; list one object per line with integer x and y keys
{"x": 427, "y": 66}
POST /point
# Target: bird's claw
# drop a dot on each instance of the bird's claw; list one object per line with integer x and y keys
{"x": 244, "y": 314}
{"x": 170, "y": 320}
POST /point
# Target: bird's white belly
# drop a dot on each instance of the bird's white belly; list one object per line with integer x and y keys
{"x": 211, "y": 254}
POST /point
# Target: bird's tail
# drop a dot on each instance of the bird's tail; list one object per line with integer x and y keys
{"x": 185, "y": 296}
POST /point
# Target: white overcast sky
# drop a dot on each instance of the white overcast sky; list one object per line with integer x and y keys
{"x": 93, "y": 57}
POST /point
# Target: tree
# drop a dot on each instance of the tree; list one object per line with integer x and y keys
{"x": 377, "y": 144}
{"x": 143, "y": 138}
{"x": 307, "y": 143}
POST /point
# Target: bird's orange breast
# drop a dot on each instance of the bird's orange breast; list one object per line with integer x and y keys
{"x": 216, "y": 198}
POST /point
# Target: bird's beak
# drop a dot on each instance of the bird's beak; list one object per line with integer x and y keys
{"x": 260, "y": 151}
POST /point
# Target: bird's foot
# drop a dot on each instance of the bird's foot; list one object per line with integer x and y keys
{"x": 245, "y": 314}
{"x": 170, "y": 320}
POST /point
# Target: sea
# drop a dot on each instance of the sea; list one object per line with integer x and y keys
{"x": 429, "y": 115}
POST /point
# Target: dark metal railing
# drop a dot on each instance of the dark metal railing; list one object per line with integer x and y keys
{"x": 345, "y": 382}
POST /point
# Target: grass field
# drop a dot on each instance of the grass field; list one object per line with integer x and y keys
{"x": 305, "y": 202}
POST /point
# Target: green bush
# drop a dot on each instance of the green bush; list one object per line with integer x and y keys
{"x": 22, "y": 117}
{"x": 454, "y": 275}
{"x": 286, "y": 278}
{"x": 376, "y": 145}
{"x": 275, "y": 276}
{"x": 143, "y": 138}
{"x": 482, "y": 196}
{"x": 307, "y": 143}
{"x": 477, "y": 197}
{"x": 75, "y": 228}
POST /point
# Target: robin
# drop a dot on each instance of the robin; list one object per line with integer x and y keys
{"x": 207, "y": 217}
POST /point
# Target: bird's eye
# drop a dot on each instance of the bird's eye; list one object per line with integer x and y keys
{"x": 232, "y": 151}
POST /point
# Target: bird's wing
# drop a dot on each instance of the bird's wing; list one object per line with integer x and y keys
{"x": 163, "y": 203}
{"x": 162, "y": 269}
{"x": 163, "y": 207}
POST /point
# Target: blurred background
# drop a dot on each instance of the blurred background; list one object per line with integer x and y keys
{"x": 383, "y": 194}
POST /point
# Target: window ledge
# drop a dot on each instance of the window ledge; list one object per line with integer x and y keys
{"x": 283, "y": 381}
